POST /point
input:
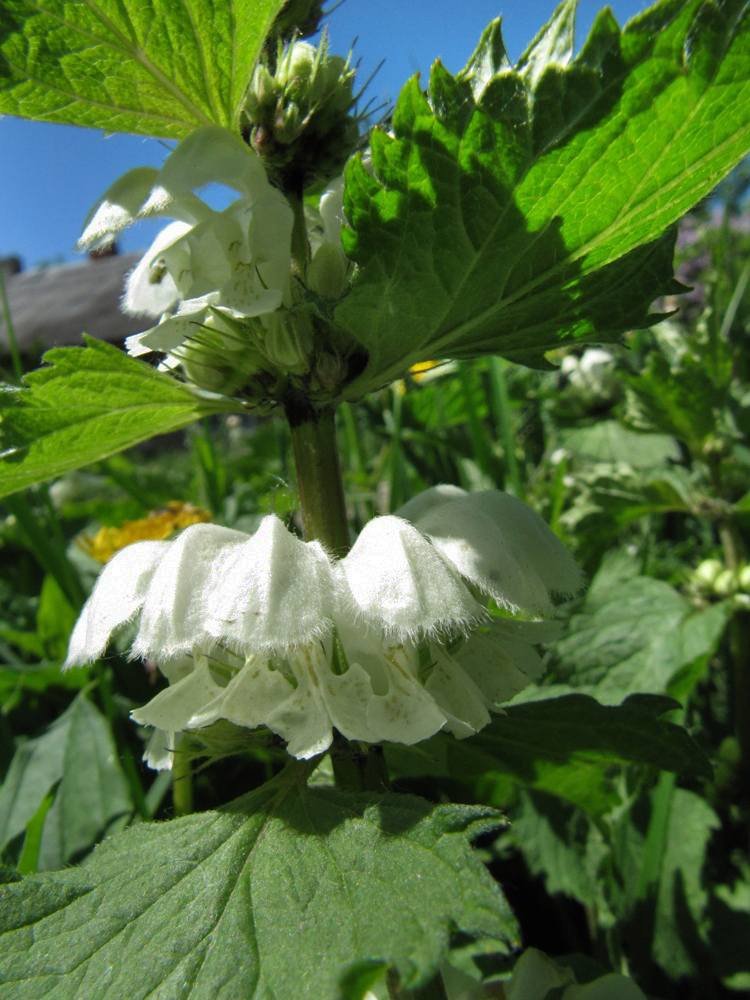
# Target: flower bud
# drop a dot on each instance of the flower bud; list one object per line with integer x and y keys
{"x": 298, "y": 115}
{"x": 215, "y": 360}
{"x": 705, "y": 575}
{"x": 726, "y": 583}
{"x": 328, "y": 272}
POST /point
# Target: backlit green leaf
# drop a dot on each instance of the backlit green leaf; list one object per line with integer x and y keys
{"x": 88, "y": 403}
{"x": 562, "y": 744}
{"x": 511, "y": 212}
{"x": 152, "y": 67}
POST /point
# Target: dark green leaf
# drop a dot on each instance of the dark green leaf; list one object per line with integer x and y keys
{"x": 514, "y": 212}
{"x": 563, "y": 745}
{"x": 77, "y": 753}
{"x": 152, "y": 67}
{"x": 88, "y": 403}
{"x": 282, "y": 894}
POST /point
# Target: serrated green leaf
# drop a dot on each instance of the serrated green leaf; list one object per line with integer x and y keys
{"x": 560, "y": 743}
{"x": 557, "y": 841}
{"x": 277, "y": 895}
{"x": 509, "y": 218}
{"x": 88, "y": 403}
{"x": 77, "y": 753}
{"x": 638, "y": 635}
{"x": 609, "y": 441}
{"x": 678, "y": 912}
{"x": 152, "y": 67}
{"x": 680, "y": 401}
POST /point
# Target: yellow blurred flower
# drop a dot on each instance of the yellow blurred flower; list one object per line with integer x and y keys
{"x": 416, "y": 373}
{"x": 155, "y": 526}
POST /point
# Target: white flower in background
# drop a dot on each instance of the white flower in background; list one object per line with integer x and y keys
{"x": 232, "y": 263}
{"x": 389, "y": 643}
{"x": 593, "y": 375}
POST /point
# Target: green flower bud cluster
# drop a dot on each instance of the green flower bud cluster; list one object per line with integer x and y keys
{"x": 249, "y": 354}
{"x": 298, "y": 116}
{"x": 712, "y": 579}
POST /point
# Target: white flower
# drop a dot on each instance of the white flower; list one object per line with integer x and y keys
{"x": 593, "y": 375}
{"x": 388, "y": 643}
{"x": 234, "y": 262}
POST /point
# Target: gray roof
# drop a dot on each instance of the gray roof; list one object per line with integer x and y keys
{"x": 53, "y": 306}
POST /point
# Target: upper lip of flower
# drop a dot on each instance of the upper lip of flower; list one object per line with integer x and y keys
{"x": 271, "y": 602}
{"x": 237, "y": 258}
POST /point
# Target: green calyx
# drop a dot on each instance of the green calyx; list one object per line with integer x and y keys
{"x": 298, "y": 114}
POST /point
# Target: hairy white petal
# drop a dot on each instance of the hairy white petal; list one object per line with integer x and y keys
{"x": 427, "y": 500}
{"x": 149, "y": 288}
{"x": 531, "y": 536}
{"x": 503, "y": 548}
{"x": 272, "y": 592}
{"x": 295, "y": 711}
{"x": 399, "y": 583}
{"x": 405, "y": 712}
{"x": 398, "y": 708}
{"x": 332, "y": 210}
{"x": 213, "y": 155}
{"x": 159, "y": 750}
{"x": 463, "y": 702}
{"x": 117, "y": 598}
{"x": 173, "y": 331}
{"x": 173, "y": 618}
{"x": 499, "y": 664}
{"x": 173, "y": 708}
{"x": 118, "y": 207}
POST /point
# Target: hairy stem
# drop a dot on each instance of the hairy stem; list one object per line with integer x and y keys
{"x": 321, "y": 491}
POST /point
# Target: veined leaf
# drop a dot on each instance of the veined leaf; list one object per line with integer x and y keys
{"x": 89, "y": 403}
{"x": 281, "y": 894}
{"x": 152, "y": 67}
{"x": 76, "y": 756}
{"x": 564, "y": 744}
{"x": 512, "y": 211}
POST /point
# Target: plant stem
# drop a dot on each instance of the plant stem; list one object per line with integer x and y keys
{"x": 182, "y": 783}
{"x": 321, "y": 491}
{"x": 321, "y": 494}
{"x": 503, "y": 414}
{"x": 300, "y": 244}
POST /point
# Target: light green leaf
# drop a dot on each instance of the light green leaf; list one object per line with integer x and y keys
{"x": 609, "y": 441}
{"x": 89, "y": 403}
{"x": 281, "y": 894}
{"x": 638, "y": 635}
{"x": 679, "y": 400}
{"x": 77, "y": 751}
{"x": 679, "y": 944}
{"x": 517, "y": 213}
{"x": 152, "y": 67}
{"x": 558, "y": 843}
{"x": 28, "y": 860}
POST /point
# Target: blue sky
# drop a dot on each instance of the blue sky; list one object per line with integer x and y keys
{"x": 50, "y": 175}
